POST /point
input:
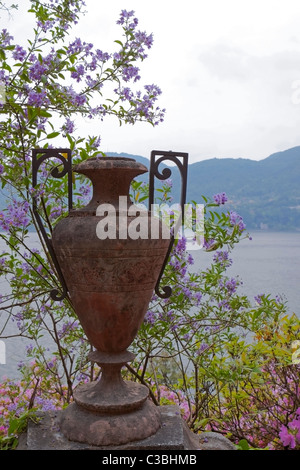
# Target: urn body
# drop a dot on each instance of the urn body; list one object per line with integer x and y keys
{"x": 110, "y": 254}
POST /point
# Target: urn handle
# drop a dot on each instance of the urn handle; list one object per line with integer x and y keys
{"x": 65, "y": 157}
{"x": 181, "y": 161}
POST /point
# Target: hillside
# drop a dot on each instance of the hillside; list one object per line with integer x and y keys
{"x": 266, "y": 192}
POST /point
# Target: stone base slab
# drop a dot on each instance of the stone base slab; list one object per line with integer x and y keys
{"x": 172, "y": 435}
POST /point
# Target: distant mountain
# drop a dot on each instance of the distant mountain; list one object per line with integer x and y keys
{"x": 266, "y": 193}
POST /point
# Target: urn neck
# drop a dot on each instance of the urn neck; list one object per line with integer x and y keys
{"x": 111, "y": 178}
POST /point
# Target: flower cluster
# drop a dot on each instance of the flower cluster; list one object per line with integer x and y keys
{"x": 16, "y": 215}
{"x": 17, "y": 395}
{"x": 229, "y": 285}
{"x": 290, "y": 434}
{"x": 68, "y": 79}
{"x": 138, "y": 42}
{"x": 174, "y": 397}
{"x": 236, "y": 220}
{"x": 220, "y": 198}
{"x": 222, "y": 257}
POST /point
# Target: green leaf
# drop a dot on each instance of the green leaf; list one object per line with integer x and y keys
{"x": 52, "y": 135}
{"x": 44, "y": 113}
{"x": 243, "y": 445}
{"x": 203, "y": 422}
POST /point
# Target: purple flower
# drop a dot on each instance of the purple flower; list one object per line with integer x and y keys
{"x": 102, "y": 56}
{"x": 80, "y": 100}
{"x": 67, "y": 327}
{"x": 237, "y": 220}
{"x": 124, "y": 16}
{"x": 19, "y": 53}
{"x": 220, "y": 198}
{"x": 37, "y": 99}
{"x": 16, "y": 215}
{"x": 142, "y": 38}
{"x": 125, "y": 93}
{"x": 37, "y": 70}
{"x": 190, "y": 259}
{"x": 150, "y": 317}
{"x": 198, "y": 297}
{"x": 68, "y": 127}
{"x": 258, "y": 298}
{"x": 5, "y": 38}
{"x": 230, "y": 285}
{"x": 170, "y": 315}
{"x": 202, "y": 348}
{"x": 209, "y": 244}
{"x": 76, "y": 47}
{"x": 187, "y": 292}
{"x": 25, "y": 267}
{"x": 95, "y": 142}
{"x": 130, "y": 73}
{"x": 55, "y": 212}
{"x": 222, "y": 258}
{"x": 153, "y": 91}
{"x": 224, "y": 305}
{"x": 168, "y": 183}
{"x": 1, "y": 169}
{"x": 85, "y": 191}
{"x": 181, "y": 244}
{"x": 45, "y": 404}
{"x": 29, "y": 348}
{"x": 93, "y": 83}
{"x": 144, "y": 106}
{"x": 78, "y": 73}
{"x": 45, "y": 26}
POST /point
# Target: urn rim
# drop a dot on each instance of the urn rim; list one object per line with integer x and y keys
{"x": 110, "y": 163}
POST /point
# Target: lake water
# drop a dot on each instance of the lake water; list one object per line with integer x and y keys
{"x": 269, "y": 263}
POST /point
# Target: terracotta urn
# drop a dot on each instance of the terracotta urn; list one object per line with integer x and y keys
{"x": 111, "y": 255}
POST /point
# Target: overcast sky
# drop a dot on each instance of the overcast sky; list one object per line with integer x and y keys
{"x": 229, "y": 71}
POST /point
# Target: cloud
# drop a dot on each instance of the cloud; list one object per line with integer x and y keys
{"x": 226, "y": 62}
{"x": 231, "y": 63}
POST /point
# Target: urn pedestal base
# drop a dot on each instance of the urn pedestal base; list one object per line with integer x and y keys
{"x": 110, "y": 411}
{"x": 80, "y": 425}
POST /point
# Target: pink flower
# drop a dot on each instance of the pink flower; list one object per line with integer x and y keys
{"x": 287, "y": 439}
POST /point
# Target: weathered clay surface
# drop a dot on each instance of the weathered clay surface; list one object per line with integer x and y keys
{"x": 81, "y": 425}
{"x": 110, "y": 281}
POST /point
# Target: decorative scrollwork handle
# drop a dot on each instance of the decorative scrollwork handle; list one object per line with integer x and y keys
{"x": 38, "y": 157}
{"x": 165, "y": 174}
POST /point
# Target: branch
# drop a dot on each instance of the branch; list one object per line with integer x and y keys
{"x": 143, "y": 382}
